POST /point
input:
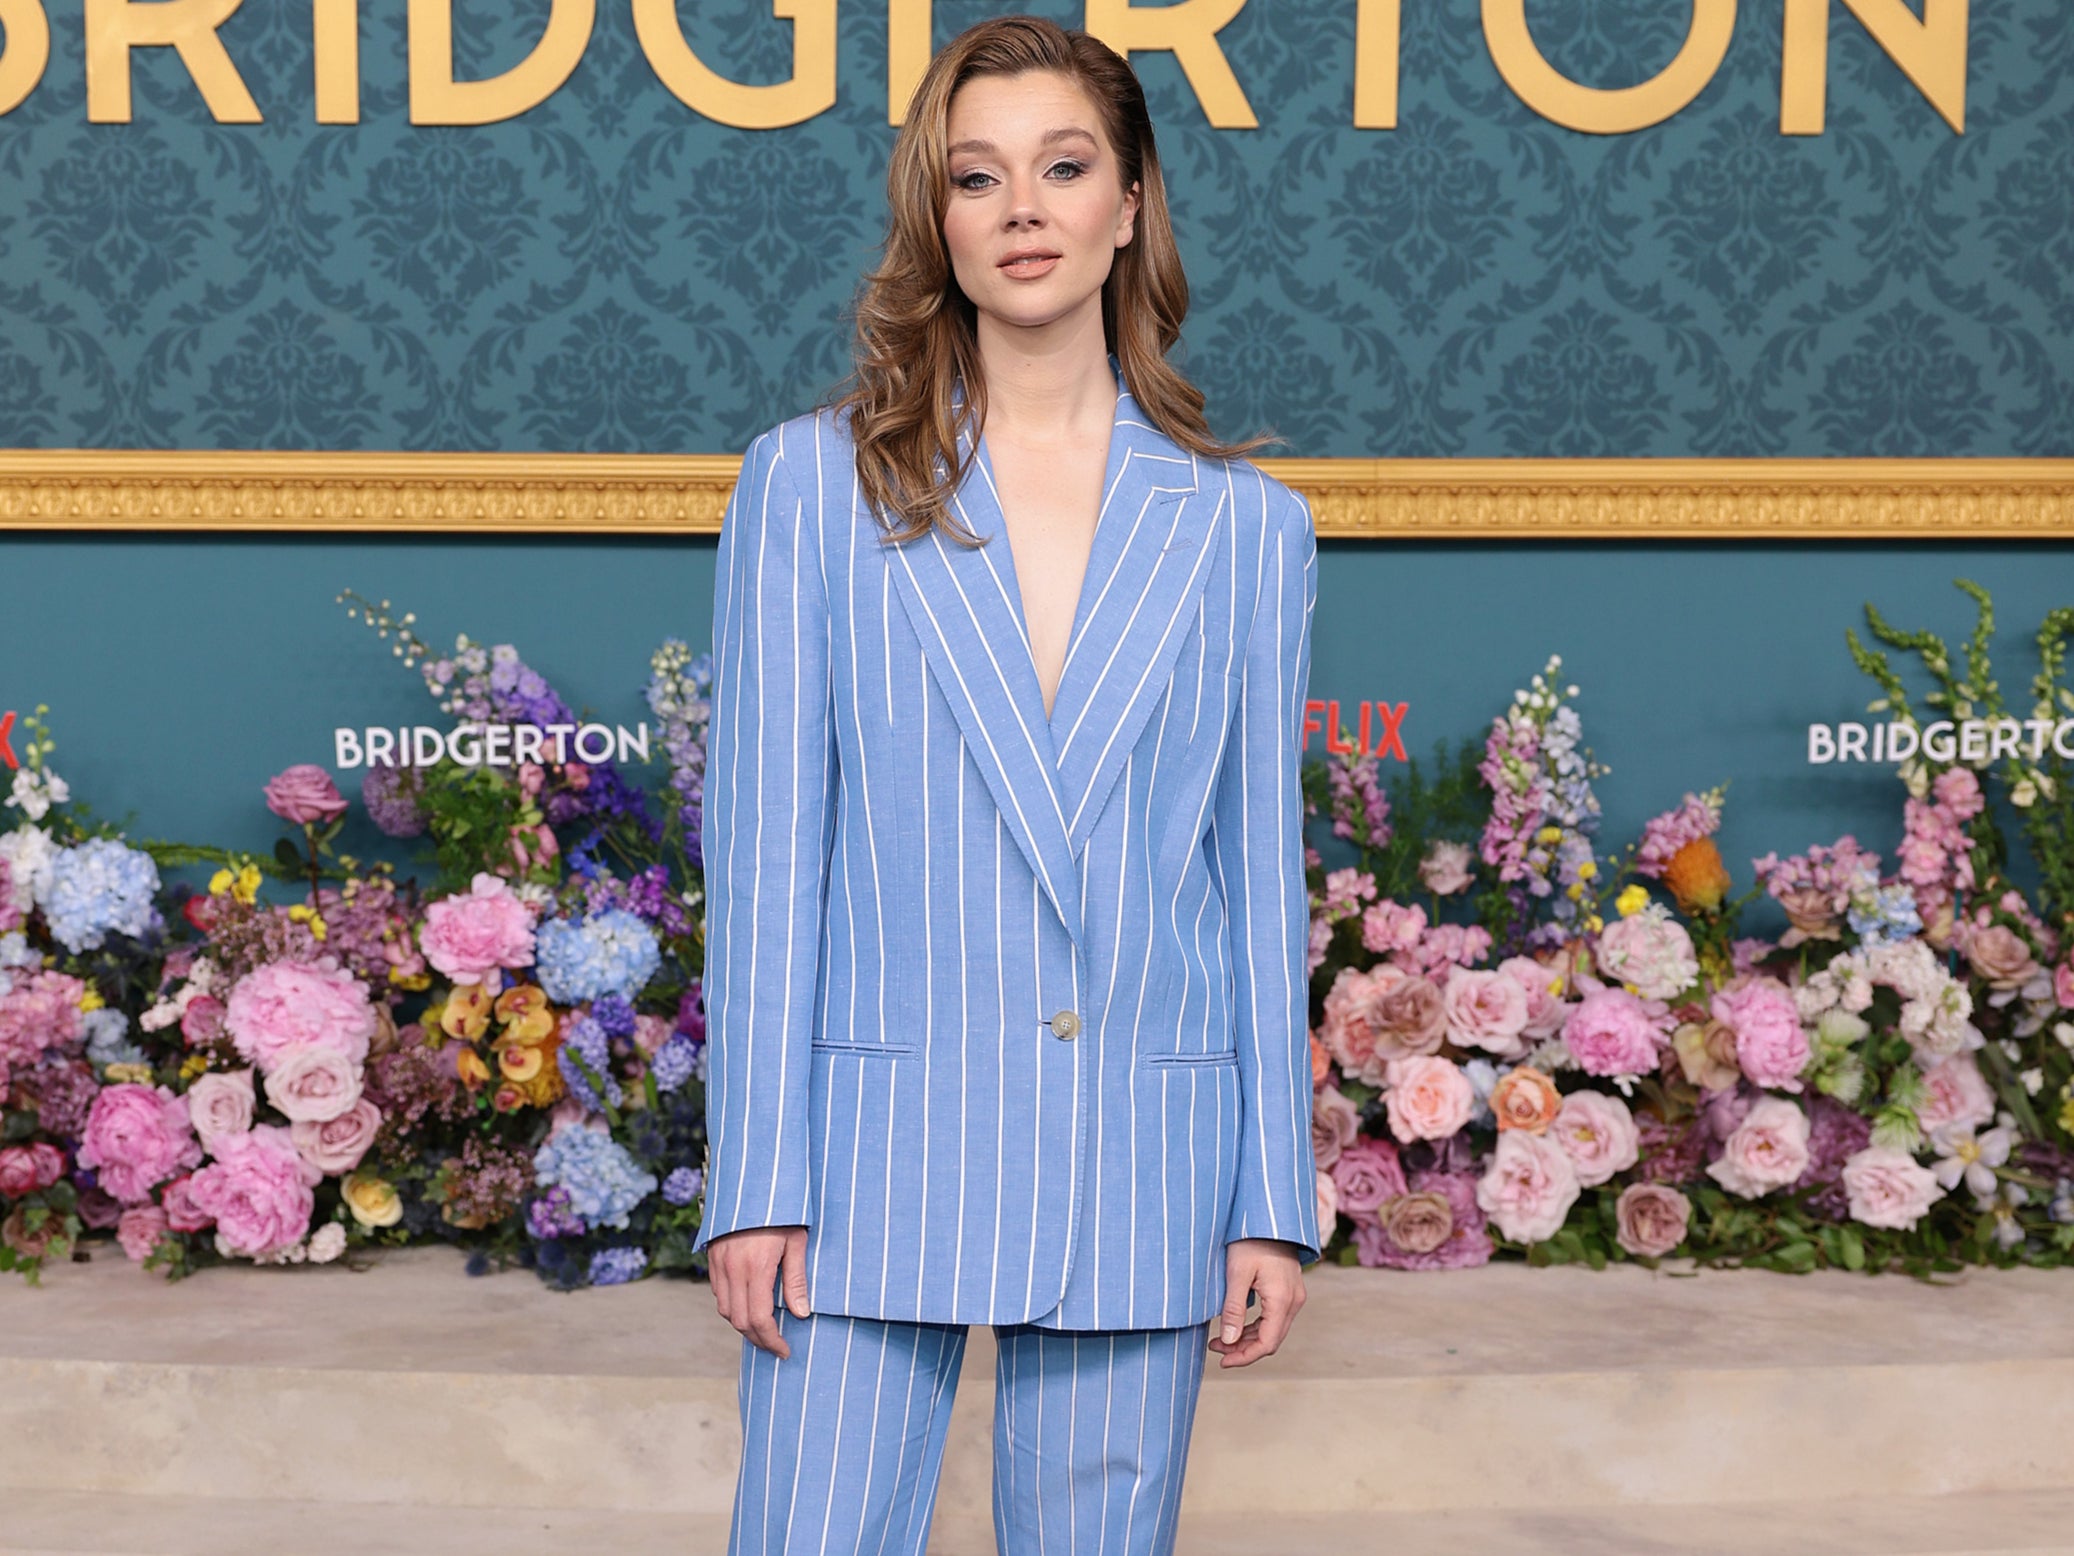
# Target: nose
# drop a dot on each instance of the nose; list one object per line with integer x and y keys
{"x": 1024, "y": 212}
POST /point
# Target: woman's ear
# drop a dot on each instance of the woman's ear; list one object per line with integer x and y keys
{"x": 1127, "y": 224}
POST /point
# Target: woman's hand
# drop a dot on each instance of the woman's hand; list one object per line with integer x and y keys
{"x": 1271, "y": 1268}
{"x": 744, "y": 1268}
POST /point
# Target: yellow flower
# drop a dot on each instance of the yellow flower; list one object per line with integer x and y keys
{"x": 524, "y": 1010}
{"x": 466, "y": 1014}
{"x": 193, "y": 1065}
{"x": 1587, "y": 870}
{"x": 1593, "y": 924}
{"x": 517, "y": 1062}
{"x": 140, "y": 1073}
{"x": 91, "y": 999}
{"x": 1632, "y": 901}
{"x": 247, "y": 887}
{"x": 220, "y": 882}
{"x": 1574, "y": 891}
{"x": 303, "y": 913}
{"x": 1549, "y": 835}
{"x": 373, "y": 1201}
{"x": 2067, "y": 1116}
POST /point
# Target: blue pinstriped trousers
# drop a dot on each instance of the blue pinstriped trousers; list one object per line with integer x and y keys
{"x": 842, "y": 1442}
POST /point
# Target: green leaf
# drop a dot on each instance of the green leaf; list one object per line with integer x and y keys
{"x": 290, "y": 860}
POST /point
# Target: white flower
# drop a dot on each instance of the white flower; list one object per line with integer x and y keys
{"x": 2033, "y": 1079}
{"x": 327, "y": 1243}
{"x": 1973, "y": 1159}
{"x": 2024, "y": 795}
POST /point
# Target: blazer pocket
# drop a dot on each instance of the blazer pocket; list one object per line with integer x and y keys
{"x": 868, "y": 1050}
{"x": 1189, "y": 1061}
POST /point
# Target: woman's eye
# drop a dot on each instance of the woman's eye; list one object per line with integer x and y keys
{"x": 972, "y": 180}
{"x": 1068, "y": 169}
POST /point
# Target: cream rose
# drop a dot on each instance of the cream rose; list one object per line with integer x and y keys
{"x": 220, "y": 1103}
{"x": 1428, "y": 1098}
{"x": 373, "y": 1201}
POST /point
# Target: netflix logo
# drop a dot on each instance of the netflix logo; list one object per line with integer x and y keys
{"x": 6, "y": 743}
{"x": 1379, "y": 732}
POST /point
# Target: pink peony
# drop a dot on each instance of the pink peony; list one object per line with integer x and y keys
{"x": 1366, "y": 1174}
{"x": 1485, "y": 1010}
{"x": 1599, "y": 1133}
{"x": 136, "y": 1137}
{"x": 1613, "y": 1032}
{"x": 220, "y": 1103}
{"x": 140, "y": 1229}
{"x": 1651, "y": 1219}
{"x": 335, "y": 1146}
{"x": 282, "y": 1004}
{"x": 1335, "y": 1121}
{"x": 256, "y": 1193}
{"x": 305, "y": 793}
{"x": 1956, "y": 1096}
{"x": 1446, "y": 868}
{"x": 182, "y": 1213}
{"x": 1528, "y": 1187}
{"x": 1650, "y": 951}
{"x": 467, "y": 936}
{"x": 1428, "y": 1098}
{"x": 202, "y": 1022}
{"x": 1768, "y": 1150}
{"x": 1771, "y": 1046}
{"x": 1889, "y": 1188}
{"x": 26, "y": 1168}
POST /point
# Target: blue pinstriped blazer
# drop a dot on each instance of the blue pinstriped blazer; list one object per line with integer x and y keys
{"x": 911, "y": 871}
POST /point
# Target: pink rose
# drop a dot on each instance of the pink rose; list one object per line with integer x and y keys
{"x": 1328, "y": 1206}
{"x": 26, "y": 1168}
{"x": 2063, "y": 984}
{"x": 1528, "y": 1187}
{"x": 310, "y": 1083}
{"x": 202, "y": 1022}
{"x": 1889, "y": 1188}
{"x": 283, "y": 1004}
{"x": 1335, "y": 1121}
{"x": 137, "y": 1136}
{"x": 305, "y": 793}
{"x": 182, "y": 1213}
{"x": 139, "y": 1230}
{"x": 1366, "y": 1174}
{"x": 1485, "y": 1010}
{"x": 1546, "y": 1009}
{"x": 1651, "y": 1219}
{"x": 1446, "y": 869}
{"x": 1768, "y": 1150}
{"x": 1612, "y": 1032}
{"x": 1771, "y": 1046}
{"x": 467, "y": 936}
{"x": 335, "y": 1146}
{"x": 1599, "y": 1133}
{"x": 1436, "y": 1226}
{"x": 1999, "y": 954}
{"x": 1429, "y": 1098}
{"x": 1652, "y": 952}
{"x": 256, "y": 1193}
{"x": 1411, "y": 1016}
{"x": 1956, "y": 1096}
{"x": 220, "y": 1103}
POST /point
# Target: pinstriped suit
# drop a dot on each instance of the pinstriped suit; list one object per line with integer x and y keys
{"x": 912, "y": 873}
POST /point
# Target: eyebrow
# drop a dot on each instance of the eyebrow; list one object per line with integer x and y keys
{"x": 1051, "y": 137}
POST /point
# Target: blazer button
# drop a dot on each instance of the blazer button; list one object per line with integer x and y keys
{"x": 1065, "y": 1025}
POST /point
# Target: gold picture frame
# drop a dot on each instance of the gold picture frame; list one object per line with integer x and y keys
{"x": 1352, "y": 499}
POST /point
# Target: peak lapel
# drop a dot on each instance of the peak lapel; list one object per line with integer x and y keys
{"x": 962, "y": 603}
{"x": 1145, "y": 575}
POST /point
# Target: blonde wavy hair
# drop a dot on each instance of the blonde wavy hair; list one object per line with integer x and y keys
{"x": 917, "y": 338}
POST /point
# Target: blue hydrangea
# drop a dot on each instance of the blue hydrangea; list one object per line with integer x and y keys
{"x": 1885, "y": 915}
{"x": 675, "y": 1062}
{"x": 617, "y": 1266}
{"x": 604, "y": 1182}
{"x": 108, "y": 1038}
{"x": 610, "y": 953}
{"x": 101, "y": 888}
{"x": 15, "y": 952}
{"x": 615, "y": 1015}
{"x": 584, "y": 1039}
{"x": 682, "y": 1186}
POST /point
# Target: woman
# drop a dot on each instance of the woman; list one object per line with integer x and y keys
{"x": 1006, "y": 909}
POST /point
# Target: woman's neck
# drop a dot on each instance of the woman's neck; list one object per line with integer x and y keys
{"x": 1048, "y": 387}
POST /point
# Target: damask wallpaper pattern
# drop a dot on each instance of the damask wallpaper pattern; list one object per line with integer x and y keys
{"x": 611, "y": 272}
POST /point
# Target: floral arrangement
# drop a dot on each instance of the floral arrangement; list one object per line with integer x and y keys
{"x": 509, "y": 1056}
{"x": 1579, "y": 1057}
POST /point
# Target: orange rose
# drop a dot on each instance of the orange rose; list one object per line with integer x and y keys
{"x": 1696, "y": 876}
{"x": 1524, "y": 1098}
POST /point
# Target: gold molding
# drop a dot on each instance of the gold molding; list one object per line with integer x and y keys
{"x": 1360, "y": 499}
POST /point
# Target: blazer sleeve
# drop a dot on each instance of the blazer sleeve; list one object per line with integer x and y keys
{"x": 770, "y": 809}
{"x": 1257, "y": 838}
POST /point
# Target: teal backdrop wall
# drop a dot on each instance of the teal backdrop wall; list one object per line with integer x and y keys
{"x": 611, "y": 272}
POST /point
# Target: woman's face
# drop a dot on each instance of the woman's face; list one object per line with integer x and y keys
{"x": 1037, "y": 207}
